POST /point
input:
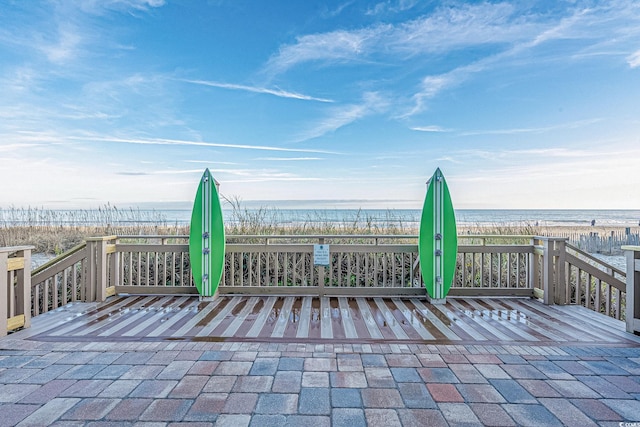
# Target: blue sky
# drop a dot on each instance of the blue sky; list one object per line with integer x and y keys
{"x": 521, "y": 104}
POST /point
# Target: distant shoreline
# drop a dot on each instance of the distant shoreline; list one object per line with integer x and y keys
{"x": 111, "y": 214}
{"x": 55, "y": 231}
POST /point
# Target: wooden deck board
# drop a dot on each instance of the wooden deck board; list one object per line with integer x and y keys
{"x": 347, "y": 319}
{"x": 171, "y": 319}
{"x": 262, "y": 317}
{"x": 219, "y": 318}
{"x": 325, "y": 314}
{"x": 240, "y": 319}
{"x": 368, "y": 319}
{"x": 570, "y": 321}
{"x": 485, "y": 321}
{"x": 435, "y": 321}
{"x": 195, "y": 320}
{"x": 305, "y": 318}
{"x": 283, "y": 318}
{"x": 601, "y": 322}
{"x": 516, "y": 317}
{"x": 413, "y": 321}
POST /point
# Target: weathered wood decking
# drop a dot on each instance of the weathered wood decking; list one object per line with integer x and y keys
{"x": 287, "y": 319}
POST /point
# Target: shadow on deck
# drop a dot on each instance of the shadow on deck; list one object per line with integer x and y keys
{"x": 466, "y": 321}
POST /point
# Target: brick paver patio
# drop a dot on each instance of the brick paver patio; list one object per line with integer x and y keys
{"x": 167, "y": 383}
{"x": 60, "y": 373}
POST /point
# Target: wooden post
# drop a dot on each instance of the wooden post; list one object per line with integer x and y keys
{"x": 561, "y": 294}
{"x": 4, "y": 303}
{"x": 90, "y": 281}
{"x": 101, "y": 271}
{"x": 20, "y": 263}
{"x": 321, "y": 273}
{"x": 534, "y": 263}
{"x": 97, "y": 268}
{"x": 547, "y": 271}
{"x": 554, "y": 284}
{"x": 24, "y": 288}
{"x": 633, "y": 288}
{"x": 115, "y": 271}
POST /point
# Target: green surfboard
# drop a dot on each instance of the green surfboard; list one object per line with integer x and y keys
{"x": 206, "y": 237}
{"x": 438, "y": 240}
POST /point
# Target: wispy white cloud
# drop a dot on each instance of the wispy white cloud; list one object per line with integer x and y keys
{"x": 228, "y": 174}
{"x": 508, "y": 33}
{"x": 634, "y": 59}
{"x": 334, "y": 46}
{"x": 249, "y": 175}
{"x": 272, "y": 178}
{"x": 454, "y": 27}
{"x": 338, "y": 117}
{"x": 288, "y": 159}
{"x": 391, "y": 6}
{"x": 263, "y": 90}
{"x": 256, "y": 173}
{"x": 33, "y": 137}
{"x": 533, "y": 130}
{"x": 545, "y": 155}
{"x": 330, "y": 13}
{"x": 163, "y": 141}
{"x": 564, "y": 174}
{"x": 431, "y": 86}
{"x": 449, "y": 159}
{"x": 589, "y": 28}
{"x": 65, "y": 47}
{"x": 19, "y": 79}
{"x": 432, "y": 128}
{"x": 176, "y": 171}
{"x": 446, "y": 29}
{"x": 5, "y": 148}
{"x": 64, "y": 31}
{"x": 133, "y": 173}
{"x": 98, "y": 6}
{"x": 58, "y": 41}
{"x": 208, "y": 162}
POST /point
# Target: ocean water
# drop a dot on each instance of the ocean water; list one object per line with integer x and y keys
{"x": 404, "y": 217}
{"x": 411, "y": 217}
{"x": 468, "y": 217}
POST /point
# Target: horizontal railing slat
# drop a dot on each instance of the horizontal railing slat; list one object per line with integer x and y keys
{"x": 594, "y": 259}
{"x": 58, "y": 267}
{"x": 153, "y": 247}
{"x": 495, "y": 249}
{"x": 595, "y": 272}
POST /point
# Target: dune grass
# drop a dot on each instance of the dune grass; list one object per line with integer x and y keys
{"x": 55, "y": 231}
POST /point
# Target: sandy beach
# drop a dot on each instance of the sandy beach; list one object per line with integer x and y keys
{"x": 559, "y": 230}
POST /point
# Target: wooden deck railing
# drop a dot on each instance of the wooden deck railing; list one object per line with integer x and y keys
{"x": 373, "y": 265}
{"x": 541, "y": 267}
{"x": 60, "y": 281}
{"x": 15, "y": 288}
{"x": 633, "y": 288}
{"x": 593, "y": 284}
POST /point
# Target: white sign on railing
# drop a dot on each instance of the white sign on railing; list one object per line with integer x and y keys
{"x": 321, "y": 255}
